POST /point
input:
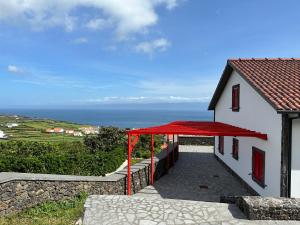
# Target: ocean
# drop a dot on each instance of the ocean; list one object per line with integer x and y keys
{"x": 119, "y": 118}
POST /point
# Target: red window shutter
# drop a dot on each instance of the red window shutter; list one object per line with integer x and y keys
{"x": 236, "y": 97}
{"x": 258, "y": 166}
{"x": 235, "y": 148}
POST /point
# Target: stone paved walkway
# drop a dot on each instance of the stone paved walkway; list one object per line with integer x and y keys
{"x": 169, "y": 200}
{"x": 124, "y": 210}
{"x": 196, "y": 167}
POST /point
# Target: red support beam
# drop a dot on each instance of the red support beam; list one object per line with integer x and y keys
{"x": 173, "y": 149}
{"x": 129, "y": 165}
{"x": 152, "y": 160}
{"x": 168, "y": 157}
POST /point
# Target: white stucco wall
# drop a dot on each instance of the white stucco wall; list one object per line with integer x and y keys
{"x": 295, "y": 173}
{"x": 258, "y": 115}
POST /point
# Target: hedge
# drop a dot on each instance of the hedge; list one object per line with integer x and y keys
{"x": 64, "y": 158}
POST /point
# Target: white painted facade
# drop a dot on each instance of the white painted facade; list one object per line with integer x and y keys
{"x": 255, "y": 114}
{"x": 295, "y": 171}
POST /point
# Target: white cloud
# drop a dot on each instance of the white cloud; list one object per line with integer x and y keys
{"x": 14, "y": 69}
{"x": 149, "y": 47}
{"x": 98, "y": 24}
{"x": 81, "y": 40}
{"x": 202, "y": 89}
{"x": 143, "y": 99}
{"x": 127, "y": 16}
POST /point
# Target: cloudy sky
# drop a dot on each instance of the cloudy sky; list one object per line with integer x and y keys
{"x": 91, "y": 52}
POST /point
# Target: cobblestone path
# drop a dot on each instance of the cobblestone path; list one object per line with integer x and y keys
{"x": 197, "y": 176}
{"x": 177, "y": 197}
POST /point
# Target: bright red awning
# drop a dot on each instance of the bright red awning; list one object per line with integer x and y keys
{"x": 199, "y": 128}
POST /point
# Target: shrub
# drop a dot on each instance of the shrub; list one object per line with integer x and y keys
{"x": 62, "y": 158}
{"x": 143, "y": 146}
{"x": 107, "y": 139}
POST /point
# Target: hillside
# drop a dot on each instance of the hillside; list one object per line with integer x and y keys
{"x": 35, "y": 129}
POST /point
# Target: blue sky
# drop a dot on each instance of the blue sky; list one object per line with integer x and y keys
{"x": 85, "y": 53}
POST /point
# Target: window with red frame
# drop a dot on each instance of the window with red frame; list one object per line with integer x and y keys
{"x": 236, "y": 98}
{"x": 258, "y": 166}
{"x": 221, "y": 145}
{"x": 235, "y": 148}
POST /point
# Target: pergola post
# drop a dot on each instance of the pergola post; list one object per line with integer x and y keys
{"x": 168, "y": 157}
{"x": 129, "y": 165}
{"x": 152, "y": 160}
{"x": 173, "y": 149}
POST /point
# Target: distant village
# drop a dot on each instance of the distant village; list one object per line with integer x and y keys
{"x": 80, "y": 132}
{"x": 76, "y": 133}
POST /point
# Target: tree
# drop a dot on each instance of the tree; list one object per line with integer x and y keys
{"x": 106, "y": 140}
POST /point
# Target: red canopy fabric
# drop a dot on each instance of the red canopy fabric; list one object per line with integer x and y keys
{"x": 199, "y": 128}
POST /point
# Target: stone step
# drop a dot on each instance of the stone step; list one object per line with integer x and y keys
{"x": 145, "y": 210}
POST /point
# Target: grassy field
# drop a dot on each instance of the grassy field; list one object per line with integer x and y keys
{"x": 49, "y": 213}
{"x": 34, "y": 129}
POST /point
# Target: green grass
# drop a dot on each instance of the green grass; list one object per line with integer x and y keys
{"x": 34, "y": 129}
{"x": 49, "y": 213}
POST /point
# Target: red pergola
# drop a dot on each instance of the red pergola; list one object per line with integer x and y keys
{"x": 187, "y": 128}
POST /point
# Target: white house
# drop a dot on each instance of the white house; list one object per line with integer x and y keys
{"x": 2, "y": 135}
{"x": 261, "y": 95}
{"x": 11, "y": 125}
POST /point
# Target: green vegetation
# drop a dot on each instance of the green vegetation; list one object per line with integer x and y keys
{"x": 106, "y": 140}
{"x": 72, "y": 158}
{"x": 49, "y": 213}
{"x": 34, "y": 129}
{"x": 143, "y": 146}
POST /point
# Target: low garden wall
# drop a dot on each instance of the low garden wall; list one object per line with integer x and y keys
{"x": 268, "y": 208}
{"x": 19, "y": 191}
{"x": 196, "y": 140}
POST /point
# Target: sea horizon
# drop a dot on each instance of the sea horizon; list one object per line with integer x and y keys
{"x": 123, "y": 118}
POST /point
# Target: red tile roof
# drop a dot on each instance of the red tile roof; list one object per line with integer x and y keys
{"x": 277, "y": 80}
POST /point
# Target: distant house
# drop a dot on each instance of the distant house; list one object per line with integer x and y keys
{"x": 49, "y": 130}
{"x": 89, "y": 130}
{"x": 11, "y": 125}
{"x": 262, "y": 95}
{"x": 2, "y": 135}
{"x": 77, "y": 134}
{"x": 58, "y": 130}
{"x": 69, "y": 131}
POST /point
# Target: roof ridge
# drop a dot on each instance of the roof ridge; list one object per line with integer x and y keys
{"x": 263, "y": 59}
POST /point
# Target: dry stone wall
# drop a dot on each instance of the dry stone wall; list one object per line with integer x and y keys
{"x": 19, "y": 191}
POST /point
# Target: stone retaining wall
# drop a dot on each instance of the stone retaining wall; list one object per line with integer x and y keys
{"x": 267, "y": 208}
{"x": 19, "y": 191}
{"x": 196, "y": 140}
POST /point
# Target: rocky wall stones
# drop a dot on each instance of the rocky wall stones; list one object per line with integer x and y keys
{"x": 196, "y": 140}
{"x": 268, "y": 208}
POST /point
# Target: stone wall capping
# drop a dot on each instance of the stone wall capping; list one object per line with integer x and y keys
{"x": 11, "y": 176}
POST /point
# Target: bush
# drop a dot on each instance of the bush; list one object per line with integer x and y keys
{"x": 63, "y": 158}
{"x": 143, "y": 146}
{"x": 107, "y": 139}
{"x": 98, "y": 155}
